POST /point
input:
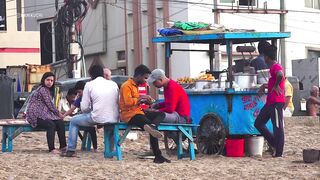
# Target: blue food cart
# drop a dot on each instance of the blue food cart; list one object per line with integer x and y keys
{"x": 222, "y": 112}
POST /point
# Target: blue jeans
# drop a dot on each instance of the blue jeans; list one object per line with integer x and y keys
{"x": 75, "y": 122}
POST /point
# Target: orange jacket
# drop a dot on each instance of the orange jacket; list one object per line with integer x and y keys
{"x": 129, "y": 95}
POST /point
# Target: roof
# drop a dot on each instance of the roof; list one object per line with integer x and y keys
{"x": 221, "y": 38}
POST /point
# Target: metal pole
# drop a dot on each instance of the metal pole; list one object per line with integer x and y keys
{"x": 211, "y": 55}
{"x": 282, "y": 41}
{"x": 167, "y": 59}
{"x": 216, "y": 46}
{"x": 229, "y": 52}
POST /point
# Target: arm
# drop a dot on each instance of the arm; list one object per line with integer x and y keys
{"x": 86, "y": 99}
{"x": 279, "y": 77}
{"x": 46, "y": 97}
{"x": 128, "y": 99}
{"x": 287, "y": 101}
{"x": 262, "y": 89}
{"x": 314, "y": 100}
{"x": 70, "y": 111}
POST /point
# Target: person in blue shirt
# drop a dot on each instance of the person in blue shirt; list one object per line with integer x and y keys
{"x": 258, "y": 63}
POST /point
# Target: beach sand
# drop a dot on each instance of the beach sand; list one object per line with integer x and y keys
{"x": 30, "y": 160}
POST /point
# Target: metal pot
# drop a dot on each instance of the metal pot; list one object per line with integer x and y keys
{"x": 203, "y": 84}
{"x": 245, "y": 80}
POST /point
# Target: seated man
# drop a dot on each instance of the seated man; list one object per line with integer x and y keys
{"x": 99, "y": 105}
{"x": 132, "y": 113}
{"x": 176, "y": 106}
{"x": 76, "y": 105}
{"x": 313, "y": 102}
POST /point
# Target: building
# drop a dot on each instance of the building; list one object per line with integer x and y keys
{"x": 17, "y": 46}
{"x": 118, "y": 32}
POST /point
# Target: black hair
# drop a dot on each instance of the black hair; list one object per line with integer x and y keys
{"x": 262, "y": 45}
{"x": 79, "y": 85}
{"x": 71, "y": 91}
{"x": 44, "y": 77}
{"x": 271, "y": 52}
{"x": 96, "y": 71}
{"x": 141, "y": 70}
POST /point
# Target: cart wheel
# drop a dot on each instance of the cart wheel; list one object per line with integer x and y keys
{"x": 211, "y": 135}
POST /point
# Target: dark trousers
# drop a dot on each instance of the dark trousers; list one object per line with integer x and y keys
{"x": 51, "y": 126}
{"x": 140, "y": 120}
{"x": 274, "y": 112}
{"x": 93, "y": 135}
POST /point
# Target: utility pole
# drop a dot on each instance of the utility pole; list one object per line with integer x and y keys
{"x": 216, "y": 53}
{"x": 282, "y": 41}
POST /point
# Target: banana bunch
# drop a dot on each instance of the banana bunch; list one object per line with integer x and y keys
{"x": 186, "y": 80}
{"x": 207, "y": 77}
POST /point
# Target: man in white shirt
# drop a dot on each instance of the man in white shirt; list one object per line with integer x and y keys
{"x": 99, "y": 105}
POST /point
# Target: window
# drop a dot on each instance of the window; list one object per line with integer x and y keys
{"x": 3, "y": 16}
{"x": 19, "y": 18}
{"x": 312, "y": 4}
{"x": 227, "y": 1}
{"x": 247, "y": 2}
{"x": 121, "y": 55}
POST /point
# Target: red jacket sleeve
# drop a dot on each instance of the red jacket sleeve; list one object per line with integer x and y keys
{"x": 170, "y": 101}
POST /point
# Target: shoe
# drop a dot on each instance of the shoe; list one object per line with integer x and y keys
{"x": 160, "y": 159}
{"x": 55, "y": 151}
{"x": 69, "y": 154}
{"x": 152, "y": 131}
{"x": 63, "y": 150}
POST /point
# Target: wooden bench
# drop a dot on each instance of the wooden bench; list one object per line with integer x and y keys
{"x": 11, "y": 128}
{"x": 185, "y": 129}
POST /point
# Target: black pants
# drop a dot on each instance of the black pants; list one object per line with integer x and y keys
{"x": 274, "y": 112}
{"x": 93, "y": 135}
{"x": 140, "y": 120}
{"x": 51, "y": 126}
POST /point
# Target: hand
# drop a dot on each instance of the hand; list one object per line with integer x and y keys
{"x": 277, "y": 89}
{"x": 145, "y": 99}
{"x": 62, "y": 116}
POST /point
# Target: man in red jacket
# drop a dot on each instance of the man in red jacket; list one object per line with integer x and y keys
{"x": 176, "y": 106}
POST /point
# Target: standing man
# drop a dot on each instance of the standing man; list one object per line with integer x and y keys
{"x": 259, "y": 63}
{"x": 99, "y": 105}
{"x": 132, "y": 113}
{"x": 274, "y": 106}
{"x": 288, "y": 105}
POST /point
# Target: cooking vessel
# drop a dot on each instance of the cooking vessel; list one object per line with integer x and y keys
{"x": 245, "y": 80}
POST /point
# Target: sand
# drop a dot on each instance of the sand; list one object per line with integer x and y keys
{"x": 30, "y": 160}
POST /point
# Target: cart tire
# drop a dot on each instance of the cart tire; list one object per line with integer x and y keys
{"x": 211, "y": 135}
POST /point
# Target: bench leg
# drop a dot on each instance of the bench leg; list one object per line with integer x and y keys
{"x": 107, "y": 144}
{"x": 191, "y": 145}
{"x": 84, "y": 140}
{"x": 89, "y": 143}
{"x": 116, "y": 142}
{"x": 10, "y": 145}
{"x": 179, "y": 146}
{"x": 4, "y": 139}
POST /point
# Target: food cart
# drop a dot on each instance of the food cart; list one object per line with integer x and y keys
{"x": 225, "y": 110}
